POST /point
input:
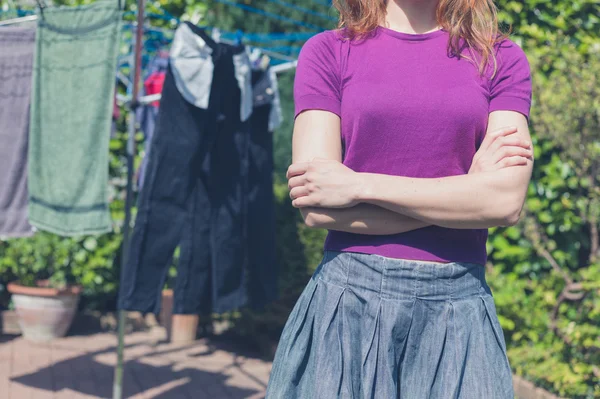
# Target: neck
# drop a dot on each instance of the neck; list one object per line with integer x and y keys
{"x": 411, "y": 16}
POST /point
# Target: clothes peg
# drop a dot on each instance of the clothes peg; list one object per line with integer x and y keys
{"x": 216, "y": 34}
{"x": 265, "y": 61}
{"x": 238, "y": 37}
{"x": 41, "y": 5}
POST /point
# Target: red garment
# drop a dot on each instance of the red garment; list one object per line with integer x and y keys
{"x": 154, "y": 85}
{"x": 116, "y": 111}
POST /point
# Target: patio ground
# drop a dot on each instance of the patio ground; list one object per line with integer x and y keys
{"x": 82, "y": 367}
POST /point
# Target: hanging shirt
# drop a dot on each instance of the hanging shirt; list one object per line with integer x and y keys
{"x": 153, "y": 85}
{"x": 192, "y": 63}
{"x": 266, "y": 91}
{"x": 408, "y": 108}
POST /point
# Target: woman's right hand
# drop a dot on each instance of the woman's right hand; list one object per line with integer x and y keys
{"x": 500, "y": 149}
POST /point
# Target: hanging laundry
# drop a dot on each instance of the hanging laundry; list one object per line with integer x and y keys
{"x": 266, "y": 89}
{"x": 153, "y": 85}
{"x": 195, "y": 189}
{"x": 16, "y": 66}
{"x": 116, "y": 114}
{"x": 262, "y": 259}
{"x": 193, "y": 71}
{"x": 71, "y": 107}
{"x": 276, "y": 114}
{"x": 159, "y": 63}
{"x": 147, "y": 113}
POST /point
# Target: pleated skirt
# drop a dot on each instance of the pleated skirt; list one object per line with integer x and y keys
{"x": 367, "y": 326}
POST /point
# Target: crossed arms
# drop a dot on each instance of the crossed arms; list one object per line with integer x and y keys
{"x": 334, "y": 197}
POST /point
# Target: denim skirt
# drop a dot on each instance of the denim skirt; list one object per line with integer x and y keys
{"x": 367, "y": 326}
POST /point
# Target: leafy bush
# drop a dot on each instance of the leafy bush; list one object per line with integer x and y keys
{"x": 87, "y": 261}
{"x": 546, "y": 274}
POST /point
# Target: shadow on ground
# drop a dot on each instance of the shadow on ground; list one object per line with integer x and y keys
{"x": 4, "y": 338}
{"x": 173, "y": 380}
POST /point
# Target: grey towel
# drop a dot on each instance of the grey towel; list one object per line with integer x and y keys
{"x": 71, "y": 109}
{"x": 16, "y": 66}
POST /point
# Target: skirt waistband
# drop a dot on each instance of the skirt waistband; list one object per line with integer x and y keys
{"x": 402, "y": 279}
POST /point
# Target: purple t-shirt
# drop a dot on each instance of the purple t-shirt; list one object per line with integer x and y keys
{"x": 407, "y": 108}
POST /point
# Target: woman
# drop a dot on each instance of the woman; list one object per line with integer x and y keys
{"x": 410, "y": 140}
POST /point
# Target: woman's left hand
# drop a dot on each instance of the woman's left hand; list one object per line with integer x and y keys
{"x": 323, "y": 183}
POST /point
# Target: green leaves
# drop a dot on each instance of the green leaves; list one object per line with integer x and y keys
{"x": 555, "y": 238}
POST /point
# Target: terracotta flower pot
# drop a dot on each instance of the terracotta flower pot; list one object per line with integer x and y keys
{"x": 44, "y": 313}
{"x": 181, "y": 328}
{"x": 184, "y": 328}
{"x": 166, "y": 311}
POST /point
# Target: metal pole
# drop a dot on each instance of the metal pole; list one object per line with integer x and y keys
{"x": 139, "y": 34}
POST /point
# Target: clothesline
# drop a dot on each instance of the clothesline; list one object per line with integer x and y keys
{"x": 284, "y": 67}
{"x": 303, "y": 9}
{"x": 123, "y": 99}
{"x": 271, "y": 15}
{"x": 253, "y": 37}
{"x": 143, "y": 100}
{"x": 18, "y": 20}
{"x": 28, "y": 16}
{"x": 230, "y": 38}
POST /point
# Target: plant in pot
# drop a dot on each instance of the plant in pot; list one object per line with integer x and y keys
{"x": 43, "y": 291}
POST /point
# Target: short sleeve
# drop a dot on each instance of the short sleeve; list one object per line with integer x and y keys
{"x": 317, "y": 84}
{"x": 510, "y": 88}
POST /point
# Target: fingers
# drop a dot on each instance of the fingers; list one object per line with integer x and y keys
{"x": 298, "y": 192}
{"x": 493, "y": 135}
{"x": 303, "y": 202}
{"x": 513, "y": 140}
{"x": 297, "y": 181}
{"x": 297, "y": 169}
{"x": 512, "y": 161}
{"x": 511, "y": 151}
{"x": 505, "y": 141}
{"x": 300, "y": 168}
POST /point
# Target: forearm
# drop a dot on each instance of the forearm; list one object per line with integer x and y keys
{"x": 479, "y": 200}
{"x": 361, "y": 219}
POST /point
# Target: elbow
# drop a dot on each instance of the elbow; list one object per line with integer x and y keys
{"x": 511, "y": 218}
{"x": 505, "y": 200}
{"x": 510, "y": 213}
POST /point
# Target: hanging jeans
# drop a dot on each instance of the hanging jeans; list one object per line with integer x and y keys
{"x": 194, "y": 196}
{"x": 16, "y": 66}
{"x": 262, "y": 258}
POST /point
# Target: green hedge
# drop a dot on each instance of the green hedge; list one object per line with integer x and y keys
{"x": 546, "y": 274}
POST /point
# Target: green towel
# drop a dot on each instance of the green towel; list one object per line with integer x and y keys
{"x": 71, "y": 108}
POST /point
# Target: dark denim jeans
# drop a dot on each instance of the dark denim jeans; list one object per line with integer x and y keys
{"x": 262, "y": 263}
{"x": 209, "y": 190}
{"x": 193, "y": 196}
